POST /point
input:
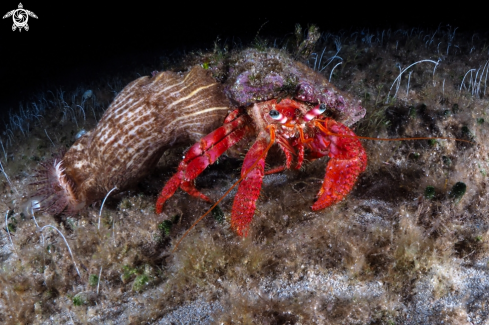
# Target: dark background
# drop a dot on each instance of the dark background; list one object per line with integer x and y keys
{"x": 72, "y": 42}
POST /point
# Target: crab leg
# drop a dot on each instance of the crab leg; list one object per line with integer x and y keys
{"x": 347, "y": 160}
{"x": 244, "y": 204}
{"x": 201, "y": 155}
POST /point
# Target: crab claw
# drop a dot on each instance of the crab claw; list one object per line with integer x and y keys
{"x": 201, "y": 155}
{"x": 244, "y": 204}
{"x": 348, "y": 160}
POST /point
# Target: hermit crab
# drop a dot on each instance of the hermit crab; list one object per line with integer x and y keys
{"x": 282, "y": 102}
{"x": 261, "y": 94}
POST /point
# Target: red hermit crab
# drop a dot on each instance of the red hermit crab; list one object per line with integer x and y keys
{"x": 281, "y": 101}
{"x": 300, "y": 130}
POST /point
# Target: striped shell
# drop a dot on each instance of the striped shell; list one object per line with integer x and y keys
{"x": 148, "y": 115}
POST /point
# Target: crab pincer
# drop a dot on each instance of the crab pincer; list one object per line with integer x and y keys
{"x": 348, "y": 160}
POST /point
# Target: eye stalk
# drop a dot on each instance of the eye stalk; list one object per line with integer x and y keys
{"x": 317, "y": 110}
{"x": 277, "y": 116}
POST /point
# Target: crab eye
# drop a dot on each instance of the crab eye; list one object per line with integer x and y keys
{"x": 322, "y": 108}
{"x": 275, "y": 114}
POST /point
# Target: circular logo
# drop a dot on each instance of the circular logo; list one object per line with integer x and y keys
{"x": 20, "y": 18}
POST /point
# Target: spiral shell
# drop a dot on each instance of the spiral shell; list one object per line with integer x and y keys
{"x": 148, "y": 115}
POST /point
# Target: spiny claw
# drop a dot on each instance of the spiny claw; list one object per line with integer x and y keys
{"x": 348, "y": 160}
{"x": 340, "y": 178}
